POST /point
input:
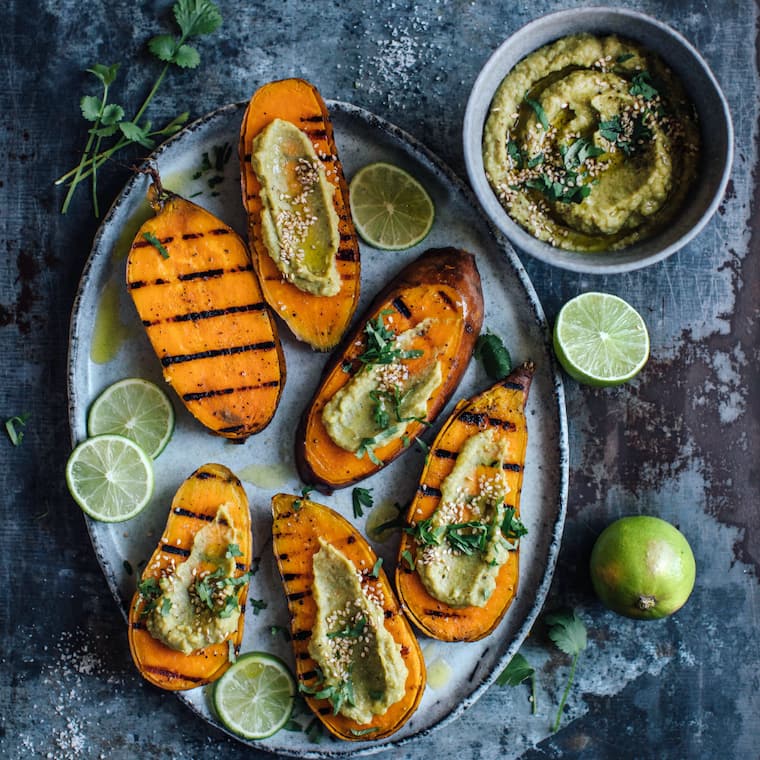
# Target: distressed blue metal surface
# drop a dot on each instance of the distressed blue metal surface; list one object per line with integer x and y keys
{"x": 681, "y": 441}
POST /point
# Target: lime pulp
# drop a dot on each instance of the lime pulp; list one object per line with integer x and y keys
{"x": 254, "y": 698}
{"x": 391, "y": 210}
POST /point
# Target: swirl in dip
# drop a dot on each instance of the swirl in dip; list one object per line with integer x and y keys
{"x": 591, "y": 143}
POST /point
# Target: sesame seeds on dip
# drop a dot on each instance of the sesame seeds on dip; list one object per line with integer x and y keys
{"x": 591, "y": 143}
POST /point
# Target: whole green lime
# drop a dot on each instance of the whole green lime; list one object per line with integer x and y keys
{"x": 642, "y": 567}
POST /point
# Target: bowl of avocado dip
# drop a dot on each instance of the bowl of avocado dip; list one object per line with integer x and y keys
{"x": 598, "y": 140}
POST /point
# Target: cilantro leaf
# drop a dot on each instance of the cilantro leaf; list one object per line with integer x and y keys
{"x": 641, "y": 84}
{"x": 348, "y": 631}
{"x": 375, "y": 572}
{"x": 15, "y": 435}
{"x": 196, "y": 17}
{"x": 361, "y": 497}
{"x": 106, "y": 74}
{"x": 516, "y": 672}
{"x": 257, "y": 605}
{"x": 233, "y": 550}
{"x": 539, "y": 111}
{"x": 90, "y": 107}
{"x": 136, "y": 133}
{"x": 568, "y": 633}
{"x": 493, "y": 354}
{"x": 187, "y": 57}
{"x": 112, "y": 114}
{"x": 163, "y": 46}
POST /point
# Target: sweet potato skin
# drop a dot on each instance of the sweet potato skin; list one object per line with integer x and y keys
{"x": 194, "y": 505}
{"x": 500, "y": 407}
{"x": 320, "y": 321}
{"x": 441, "y": 283}
{"x": 298, "y": 525}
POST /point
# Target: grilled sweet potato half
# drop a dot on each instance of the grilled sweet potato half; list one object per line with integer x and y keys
{"x": 211, "y": 504}
{"x": 306, "y": 535}
{"x": 395, "y": 373}
{"x": 499, "y": 413}
{"x": 191, "y": 279}
{"x": 319, "y": 320}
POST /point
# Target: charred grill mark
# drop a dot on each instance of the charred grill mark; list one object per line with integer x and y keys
{"x": 513, "y": 386}
{"x": 388, "y": 614}
{"x": 308, "y": 675}
{"x": 427, "y": 490}
{"x": 267, "y": 345}
{"x": 228, "y": 391}
{"x": 290, "y": 576}
{"x": 208, "y": 274}
{"x": 316, "y": 133}
{"x": 205, "y": 475}
{"x": 194, "y": 515}
{"x": 301, "y": 635}
{"x": 192, "y": 235}
{"x": 314, "y": 119}
{"x": 440, "y": 613}
{"x": 296, "y": 595}
{"x": 469, "y": 418}
{"x": 445, "y": 454}
{"x": 283, "y": 556}
{"x": 401, "y": 307}
{"x": 147, "y": 244}
{"x": 445, "y": 298}
{"x": 219, "y": 231}
{"x": 195, "y": 316}
{"x": 144, "y": 283}
{"x": 512, "y": 467}
{"x": 504, "y": 424}
{"x": 325, "y": 710}
{"x": 241, "y": 566}
{"x": 346, "y": 254}
{"x": 231, "y": 429}
{"x": 178, "y": 550}
{"x": 171, "y": 674}
{"x": 303, "y": 656}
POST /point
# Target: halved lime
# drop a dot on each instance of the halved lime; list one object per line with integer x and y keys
{"x": 390, "y": 208}
{"x": 110, "y": 477}
{"x": 138, "y": 410}
{"x": 254, "y": 698}
{"x": 600, "y": 339}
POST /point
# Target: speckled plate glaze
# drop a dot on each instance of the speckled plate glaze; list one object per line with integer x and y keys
{"x": 512, "y": 311}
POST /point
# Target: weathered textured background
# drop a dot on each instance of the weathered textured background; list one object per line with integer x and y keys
{"x": 681, "y": 441}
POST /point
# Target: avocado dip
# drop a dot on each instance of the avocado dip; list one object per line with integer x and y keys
{"x": 375, "y": 406}
{"x": 299, "y": 224}
{"x": 363, "y": 672}
{"x": 463, "y": 545}
{"x": 197, "y": 605}
{"x": 591, "y": 143}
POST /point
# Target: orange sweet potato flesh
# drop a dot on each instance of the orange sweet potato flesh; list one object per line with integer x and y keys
{"x": 203, "y": 310}
{"x": 443, "y": 284}
{"x": 298, "y": 526}
{"x": 194, "y": 506}
{"x": 502, "y": 408}
{"x": 319, "y": 321}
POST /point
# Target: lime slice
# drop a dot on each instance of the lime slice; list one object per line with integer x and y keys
{"x": 138, "y": 410}
{"x": 600, "y": 339}
{"x": 254, "y": 698}
{"x": 110, "y": 477}
{"x": 391, "y": 210}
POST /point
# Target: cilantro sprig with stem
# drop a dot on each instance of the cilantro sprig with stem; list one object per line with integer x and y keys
{"x": 361, "y": 498}
{"x": 338, "y": 694}
{"x": 517, "y": 671}
{"x": 107, "y": 120}
{"x": 568, "y": 633}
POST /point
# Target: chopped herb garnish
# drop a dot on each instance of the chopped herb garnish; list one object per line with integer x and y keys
{"x": 157, "y": 244}
{"x": 257, "y": 605}
{"x": 623, "y": 57}
{"x": 515, "y": 154}
{"x": 231, "y": 605}
{"x": 212, "y": 182}
{"x": 346, "y": 367}
{"x": 15, "y": 435}
{"x": 338, "y": 694}
{"x": 233, "y": 550}
{"x": 579, "y": 152}
{"x": 642, "y": 85}
{"x": 536, "y": 161}
{"x": 280, "y": 630}
{"x": 350, "y": 632}
{"x": 166, "y": 606}
{"x": 305, "y": 491}
{"x": 627, "y": 137}
{"x": 468, "y": 537}
{"x": 539, "y": 111}
{"x": 424, "y": 447}
{"x": 406, "y": 555}
{"x": 517, "y": 671}
{"x": 367, "y": 446}
{"x": 381, "y": 348}
{"x": 150, "y": 591}
{"x": 361, "y": 497}
{"x": 511, "y": 526}
{"x": 364, "y": 731}
{"x": 375, "y": 573}
{"x": 492, "y": 352}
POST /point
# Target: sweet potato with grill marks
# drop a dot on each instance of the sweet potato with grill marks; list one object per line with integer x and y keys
{"x": 444, "y": 285}
{"x": 298, "y": 526}
{"x": 194, "y": 506}
{"x": 191, "y": 279}
{"x": 317, "y": 320}
{"x": 500, "y": 408}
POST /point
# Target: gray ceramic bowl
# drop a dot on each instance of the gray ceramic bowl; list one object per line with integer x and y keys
{"x": 702, "y": 88}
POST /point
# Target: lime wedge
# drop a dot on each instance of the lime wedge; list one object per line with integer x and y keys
{"x": 390, "y": 209}
{"x": 136, "y": 409}
{"x": 600, "y": 339}
{"x": 110, "y": 477}
{"x": 254, "y": 698}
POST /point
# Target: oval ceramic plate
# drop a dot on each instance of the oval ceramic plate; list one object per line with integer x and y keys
{"x": 108, "y": 343}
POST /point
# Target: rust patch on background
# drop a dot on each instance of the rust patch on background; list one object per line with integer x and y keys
{"x": 641, "y": 435}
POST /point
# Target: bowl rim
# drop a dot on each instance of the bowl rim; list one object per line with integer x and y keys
{"x": 476, "y": 114}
